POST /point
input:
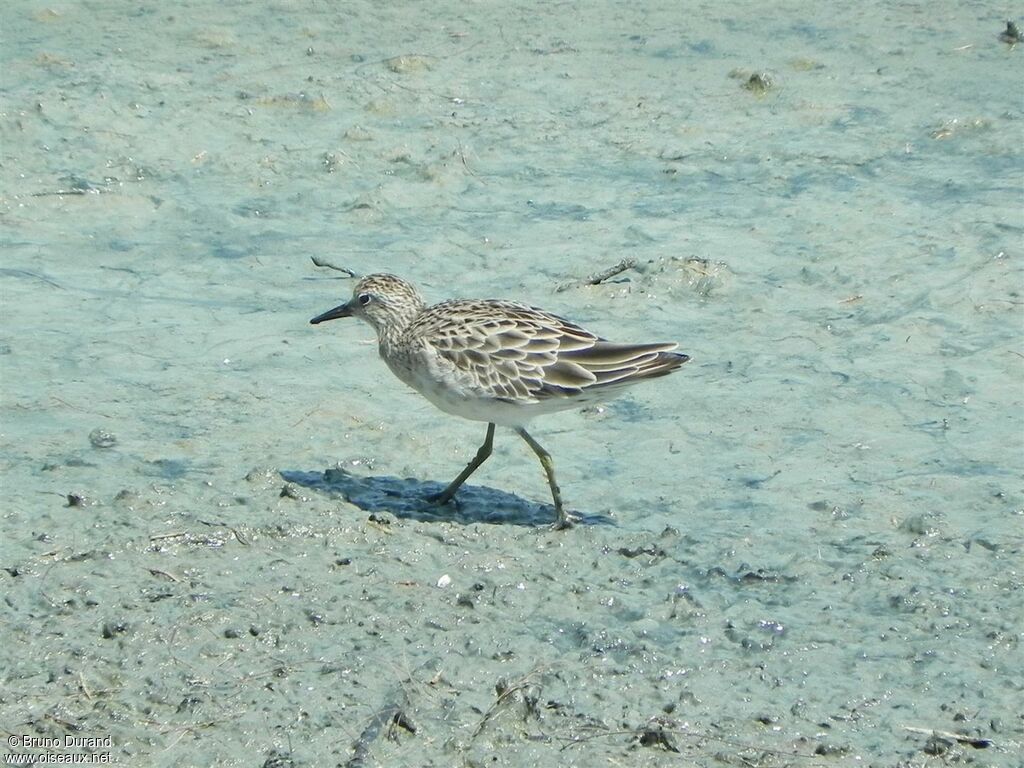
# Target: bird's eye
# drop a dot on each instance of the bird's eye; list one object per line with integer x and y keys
{"x": 363, "y": 299}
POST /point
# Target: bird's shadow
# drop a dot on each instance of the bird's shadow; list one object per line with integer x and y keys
{"x": 408, "y": 498}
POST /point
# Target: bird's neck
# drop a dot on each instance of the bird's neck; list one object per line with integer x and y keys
{"x": 387, "y": 338}
{"x": 390, "y": 333}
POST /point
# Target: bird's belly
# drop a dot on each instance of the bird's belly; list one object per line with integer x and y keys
{"x": 474, "y": 407}
{"x": 454, "y": 392}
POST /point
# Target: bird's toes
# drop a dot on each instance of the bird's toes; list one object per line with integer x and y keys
{"x": 564, "y": 522}
{"x": 440, "y": 499}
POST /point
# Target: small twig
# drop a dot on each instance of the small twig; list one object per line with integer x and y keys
{"x": 26, "y": 273}
{"x": 159, "y": 536}
{"x": 76, "y": 408}
{"x": 239, "y": 537}
{"x": 503, "y": 695}
{"x": 391, "y": 714}
{"x": 462, "y": 156}
{"x": 308, "y": 414}
{"x": 165, "y": 574}
{"x": 688, "y": 734}
{"x": 63, "y": 192}
{"x": 960, "y": 738}
{"x": 66, "y": 724}
{"x": 599, "y": 277}
{"x": 84, "y": 687}
{"x": 217, "y": 524}
{"x": 328, "y": 265}
{"x": 361, "y": 746}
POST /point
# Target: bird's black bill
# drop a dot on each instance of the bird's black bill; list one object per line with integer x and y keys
{"x": 332, "y": 314}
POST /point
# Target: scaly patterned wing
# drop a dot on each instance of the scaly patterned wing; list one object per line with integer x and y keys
{"x": 518, "y": 353}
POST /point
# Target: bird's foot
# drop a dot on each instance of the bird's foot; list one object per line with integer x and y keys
{"x": 565, "y": 521}
{"x": 441, "y": 499}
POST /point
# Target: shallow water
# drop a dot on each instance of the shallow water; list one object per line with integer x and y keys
{"x": 802, "y": 549}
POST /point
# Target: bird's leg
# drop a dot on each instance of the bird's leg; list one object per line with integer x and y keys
{"x": 481, "y": 456}
{"x": 563, "y": 520}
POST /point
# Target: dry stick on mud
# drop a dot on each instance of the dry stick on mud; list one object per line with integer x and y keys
{"x": 328, "y": 265}
{"x": 462, "y": 156}
{"x": 161, "y": 536}
{"x": 504, "y": 692}
{"x": 960, "y": 738}
{"x": 599, "y": 277}
{"x": 165, "y": 574}
{"x": 391, "y": 714}
{"x": 642, "y": 731}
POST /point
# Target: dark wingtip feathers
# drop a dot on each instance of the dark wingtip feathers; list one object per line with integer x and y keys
{"x": 662, "y": 365}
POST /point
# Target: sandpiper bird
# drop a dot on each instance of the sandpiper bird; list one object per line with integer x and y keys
{"x": 496, "y": 361}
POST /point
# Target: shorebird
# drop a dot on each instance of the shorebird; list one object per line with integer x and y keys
{"x": 496, "y": 361}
